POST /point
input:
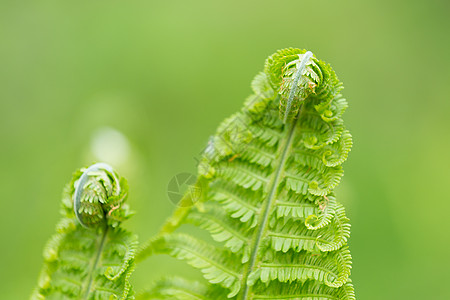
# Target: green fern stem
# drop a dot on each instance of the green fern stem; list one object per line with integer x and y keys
{"x": 298, "y": 75}
{"x": 268, "y": 203}
{"x": 94, "y": 265}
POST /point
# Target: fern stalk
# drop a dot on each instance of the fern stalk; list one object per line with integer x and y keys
{"x": 268, "y": 204}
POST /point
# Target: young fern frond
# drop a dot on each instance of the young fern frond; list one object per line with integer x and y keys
{"x": 90, "y": 256}
{"x": 267, "y": 179}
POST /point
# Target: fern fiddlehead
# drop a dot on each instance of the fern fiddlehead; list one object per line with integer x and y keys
{"x": 268, "y": 179}
{"x": 90, "y": 256}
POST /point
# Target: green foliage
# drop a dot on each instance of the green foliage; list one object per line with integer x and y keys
{"x": 264, "y": 194}
{"x": 267, "y": 180}
{"x": 90, "y": 256}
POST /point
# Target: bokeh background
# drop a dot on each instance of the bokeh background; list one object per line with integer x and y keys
{"x": 142, "y": 85}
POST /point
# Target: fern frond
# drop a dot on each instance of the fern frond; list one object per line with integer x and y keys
{"x": 292, "y": 234}
{"x": 90, "y": 256}
{"x": 223, "y": 228}
{"x": 292, "y": 205}
{"x": 237, "y": 201}
{"x": 217, "y": 265}
{"x": 268, "y": 177}
{"x": 310, "y": 290}
{"x": 331, "y": 269}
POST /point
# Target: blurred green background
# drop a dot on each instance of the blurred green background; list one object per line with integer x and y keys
{"x": 142, "y": 84}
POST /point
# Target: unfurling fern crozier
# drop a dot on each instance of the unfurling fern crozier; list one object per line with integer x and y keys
{"x": 267, "y": 179}
{"x": 90, "y": 256}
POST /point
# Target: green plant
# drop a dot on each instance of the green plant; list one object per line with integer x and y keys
{"x": 90, "y": 256}
{"x": 265, "y": 194}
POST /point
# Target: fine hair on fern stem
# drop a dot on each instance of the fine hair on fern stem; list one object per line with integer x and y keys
{"x": 301, "y": 68}
{"x": 81, "y": 185}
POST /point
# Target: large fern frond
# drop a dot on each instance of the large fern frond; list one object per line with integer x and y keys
{"x": 267, "y": 180}
{"x": 90, "y": 256}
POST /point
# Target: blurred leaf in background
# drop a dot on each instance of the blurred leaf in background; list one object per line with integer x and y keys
{"x": 142, "y": 84}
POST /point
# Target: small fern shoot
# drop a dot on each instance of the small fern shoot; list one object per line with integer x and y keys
{"x": 267, "y": 180}
{"x": 90, "y": 256}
